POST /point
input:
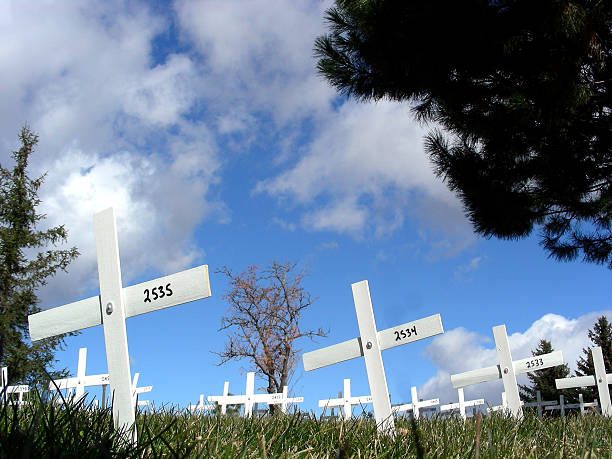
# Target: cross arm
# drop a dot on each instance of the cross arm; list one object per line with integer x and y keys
{"x": 388, "y": 338}
{"x": 579, "y": 381}
{"x": 164, "y": 292}
{"x": 538, "y": 362}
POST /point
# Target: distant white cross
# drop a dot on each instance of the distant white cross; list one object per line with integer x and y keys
{"x": 600, "y": 379}
{"x": 136, "y": 391}
{"x": 415, "y": 405}
{"x": 507, "y": 370}
{"x": 345, "y": 401}
{"x": 582, "y": 405}
{"x": 462, "y": 404}
{"x": 561, "y": 406}
{"x": 5, "y": 389}
{"x": 539, "y": 403}
{"x": 283, "y": 399}
{"x": 248, "y": 399}
{"x": 369, "y": 345}
{"x": 200, "y": 406}
{"x": 81, "y": 381}
{"x": 114, "y": 304}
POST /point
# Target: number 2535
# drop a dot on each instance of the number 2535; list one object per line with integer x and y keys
{"x": 157, "y": 293}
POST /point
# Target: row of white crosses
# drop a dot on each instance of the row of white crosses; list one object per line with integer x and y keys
{"x": 113, "y": 306}
{"x": 249, "y": 399}
{"x": 369, "y": 345}
{"x": 5, "y": 389}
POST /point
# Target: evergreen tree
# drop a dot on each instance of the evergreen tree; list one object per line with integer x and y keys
{"x": 601, "y": 336}
{"x": 522, "y": 93}
{"x": 23, "y": 268}
{"x": 544, "y": 380}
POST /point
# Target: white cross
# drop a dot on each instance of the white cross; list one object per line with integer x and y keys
{"x": 462, "y": 404}
{"x": 5, "y": 389}
{"x": 416, "y": 405}
{"x": 582, "y": 405}
{"x": 507, "y": 370}
{"x": 136, "y": 391}
{"x": 113, "y": 306}
{"x": 200, "y": 406}
{"x": 558, "y": 406}
{"x": 81, "y": 380}
{"x": 248, "y": 399}
{"x": 600, "y": 379}
{"x": 539, "y": 403}
{"x": 345, "y": 401}
{"x": 369, "y": 345}
{"x": 284, "y": 400}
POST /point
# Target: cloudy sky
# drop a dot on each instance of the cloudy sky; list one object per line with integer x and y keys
{"x": 205, "y": 125}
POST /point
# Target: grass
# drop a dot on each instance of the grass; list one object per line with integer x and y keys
{"x": 46, "y": 430}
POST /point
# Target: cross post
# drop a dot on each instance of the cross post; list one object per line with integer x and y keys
{"x": 345, "y": 400}
{"x": 462, "y": 404}
{"x": 415, "y": 405}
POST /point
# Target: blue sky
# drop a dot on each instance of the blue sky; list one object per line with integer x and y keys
{"x": 205, "y": 125}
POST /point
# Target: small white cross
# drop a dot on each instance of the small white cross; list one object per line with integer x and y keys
{"x": 345, "y": 401}
{"x": 369, "y": 345}
{"x": 582, "y": 405}
{"x": 507, "y": 370}
{"x": 200, "y": 406}
{"x": 81, "y": 381}
{"x": 415, "y": 405}
{"x": 600, "y": 379}
{"x": 462, "y": 404}
{"x": 5, "y": 389}
{"x": 111, "y": 308}
{"x": 558, "y": 406}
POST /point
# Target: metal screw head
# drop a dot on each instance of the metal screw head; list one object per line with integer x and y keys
{"x": 109, "y": 308}
{"x": 368, "y": 345}
{"x": 600, "y": 379}
{"x": 506, "y": 371}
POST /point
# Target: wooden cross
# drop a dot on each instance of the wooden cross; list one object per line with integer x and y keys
{"x": 558, "y": 406}
{"x": 462, "y": 404}
{"x": 539, "y": 403}
{"x": 81, "y": 381}
{"x": 113, "y": 306}
{"x": 5, "y": 389}
{"x": 221, "y": 400}
{"x": 369, "y": 345}
{"x": 507, "y": 369}
{"x": 415, "y": 405}
{"x": 284, "y": 400}
{"x": 600, "y": 379}
{"x": 136, "y": 391}
{"x": 345, "y": 401}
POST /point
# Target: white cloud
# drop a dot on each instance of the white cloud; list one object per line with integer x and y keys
{"x": 464, "y": 272}
{"x": 366, "y": 171}
{"x": 460, "y": 350}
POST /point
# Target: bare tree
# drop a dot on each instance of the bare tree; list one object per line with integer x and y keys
{"x": 263, "y": 317}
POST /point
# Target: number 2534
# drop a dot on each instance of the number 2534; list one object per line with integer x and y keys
{"x": 157, "y": 293}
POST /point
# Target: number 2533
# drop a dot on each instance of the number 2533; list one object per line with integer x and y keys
{"x": 157, "y": 293}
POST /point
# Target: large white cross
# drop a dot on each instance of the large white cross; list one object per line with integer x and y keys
{"x": 369, "y": 345}
{"x": 600, "y": 379}
{"x": 507, "y": 370}
{"x": 462, "y": 404}
{"x": 114, "y": 304}
{"x": 415, "y": 405}
{"x": 345, "y": 401}
{"x": 5, "y": 389}
{"x": 248, "y": 399}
